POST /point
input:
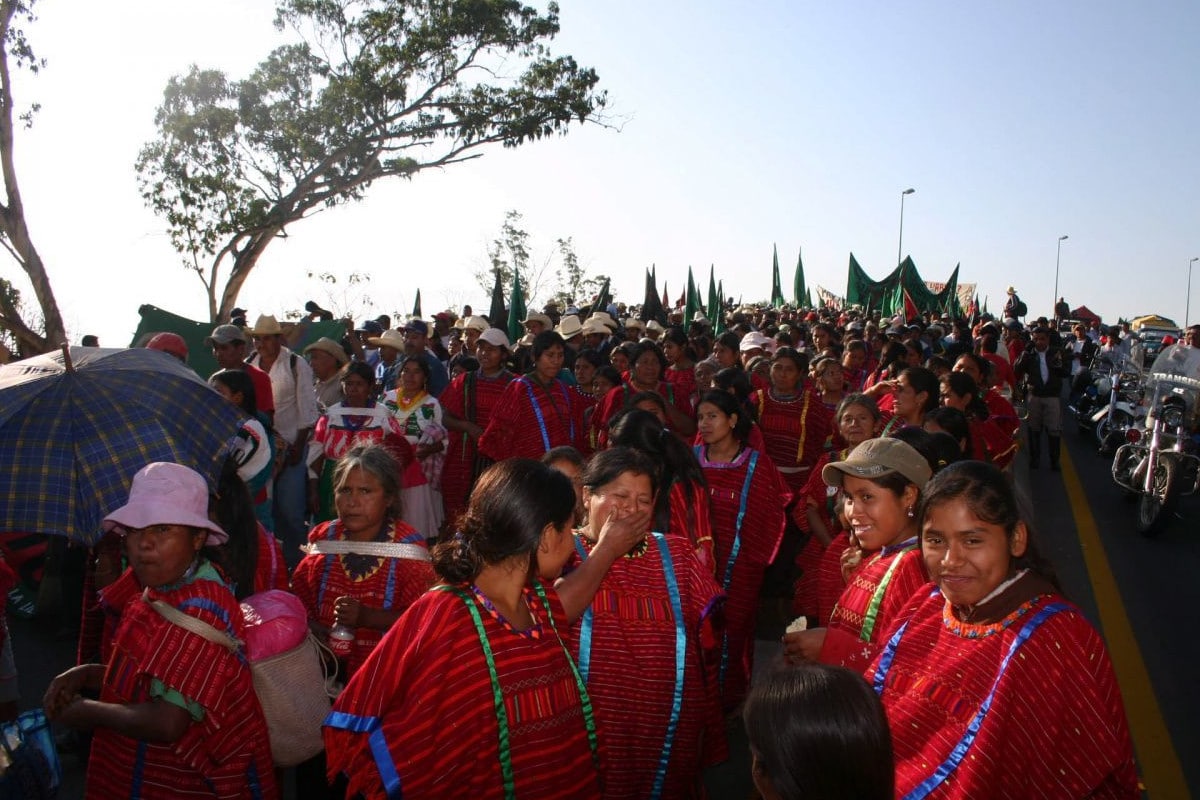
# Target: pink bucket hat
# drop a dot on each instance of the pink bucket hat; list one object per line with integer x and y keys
{"x": 164, "y": 493}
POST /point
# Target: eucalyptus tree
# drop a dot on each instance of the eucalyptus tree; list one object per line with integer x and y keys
{"x": 367, "y": 90}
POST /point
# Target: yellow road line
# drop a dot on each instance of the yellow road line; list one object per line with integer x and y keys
{"x": 1161, "y": 770}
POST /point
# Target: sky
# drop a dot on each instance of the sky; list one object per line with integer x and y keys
{"x": 732, "y": 128}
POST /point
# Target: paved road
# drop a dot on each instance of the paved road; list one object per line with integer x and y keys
{"x": 1142, "y": 594}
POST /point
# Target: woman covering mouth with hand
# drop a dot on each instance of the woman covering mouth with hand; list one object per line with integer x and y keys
{"x": 881, "y": 482}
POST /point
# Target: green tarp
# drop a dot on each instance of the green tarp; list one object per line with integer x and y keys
{"x": 887, "y": 295}
{"x": 200, "y": 358}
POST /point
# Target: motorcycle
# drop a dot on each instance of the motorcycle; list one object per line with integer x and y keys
{"x": 1121, "y": 407}
{"x": 1158, "y": 463}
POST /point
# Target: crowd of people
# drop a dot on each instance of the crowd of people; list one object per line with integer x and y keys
{"x": 552, "y": 556}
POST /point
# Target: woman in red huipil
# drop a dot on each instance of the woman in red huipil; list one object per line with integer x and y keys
{"x": 881, "y": 484}
{"x": 467, "y": 404}
{"x": 816, "y": 512}
{"x": 993, "y": 684}
{"x": 748, "y": 498}
{"x": 681, "y": 506}
{"x": 536, "y": 412}
{"x": 645, "y": 645}
{"x": 681, "y": 372}
{"x": 645, "y": 375}
{"x": 177, "y": 715}
{"x": 795, "y": 423}
{"x": 988, "y": 442}
{"x": 473, "y": 693}
{"x": 364, "y": 568}
{"x": 1000, "y": 411}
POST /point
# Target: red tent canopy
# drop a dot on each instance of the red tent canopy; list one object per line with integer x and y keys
{"x": 1086, "y": 314}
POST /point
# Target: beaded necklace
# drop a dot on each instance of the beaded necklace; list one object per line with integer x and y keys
{"x": 960, "y": 751}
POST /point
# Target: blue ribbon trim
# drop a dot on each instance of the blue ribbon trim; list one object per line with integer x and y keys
{"x": 585, "y": 648}
{"x": 331, "y": 533}
{"x": 947, "y": 767}
{"x": 537, "y": 411}
{"x": 210, "y": 606}
{"x": 733, "y": 554}
{"x": 680, "y": 655}
{"x": 353, "y": 723}
{"x": 585, "y": 625}
{"x": 389, "y": 594}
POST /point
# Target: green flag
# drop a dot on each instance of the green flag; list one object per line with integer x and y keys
{"x": 714, "y": 302}
{"x": 799, "y": 292}
{"x": 417, "y": 306}
{"x": 808, "y": 303}
{"x": 496, "y": 316}
{"x": 776, "y": 287}
{"x": 691, "y": 300}
{"x": 719, "y": 325}
{"x": 516, "y": 309}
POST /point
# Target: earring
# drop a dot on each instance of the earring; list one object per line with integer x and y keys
{"x": 910, "y": 512}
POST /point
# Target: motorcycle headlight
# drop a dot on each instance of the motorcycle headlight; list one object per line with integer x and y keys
{"x": 1172, "y": 416}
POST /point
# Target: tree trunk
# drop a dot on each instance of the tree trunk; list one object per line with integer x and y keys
{"x": 12, "y": 223}
{"x": 244, "y": 261}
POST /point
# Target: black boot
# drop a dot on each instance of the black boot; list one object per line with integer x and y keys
{"x": 1055, "y": 444}
{"x": 1035, "y": 448}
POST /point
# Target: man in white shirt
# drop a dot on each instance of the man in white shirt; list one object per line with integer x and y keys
{"x": 295, "y": 416}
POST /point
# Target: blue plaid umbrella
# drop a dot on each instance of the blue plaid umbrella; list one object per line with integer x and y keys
{"x": 76, "y": 425}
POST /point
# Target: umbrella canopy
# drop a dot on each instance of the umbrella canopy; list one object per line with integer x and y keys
{"x": 76, "y": 425}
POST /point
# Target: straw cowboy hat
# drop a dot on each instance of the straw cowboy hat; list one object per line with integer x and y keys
{"x": 327, "y": 345}
{"x": 595, "y": 326}
{"x": 389, "y": 338}
{"x": 266, "y": 325}
{"x": 570, "y": 327}
{"x": 605, "y": 318}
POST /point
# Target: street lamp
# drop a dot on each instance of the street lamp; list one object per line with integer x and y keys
{"x": 1188, "y": 312}
{"x": 900, "y": 246}
{"x": 1057, "y": 258}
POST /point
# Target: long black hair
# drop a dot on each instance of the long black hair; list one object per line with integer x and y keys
{"x": 923, "y": 380}
{"x": 236, "y": 380}
{"x": 964, "y": 385}
{"x": 512, "y": 503}
{"x": 233, "y": 507}
{"x": 817, "y": 730}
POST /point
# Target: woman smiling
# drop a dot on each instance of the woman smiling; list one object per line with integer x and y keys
{"x": 881, "y": 484}
{"x": 993, "y": 668}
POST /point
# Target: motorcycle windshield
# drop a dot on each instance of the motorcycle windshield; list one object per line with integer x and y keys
{"x": 1177, "y": 361}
